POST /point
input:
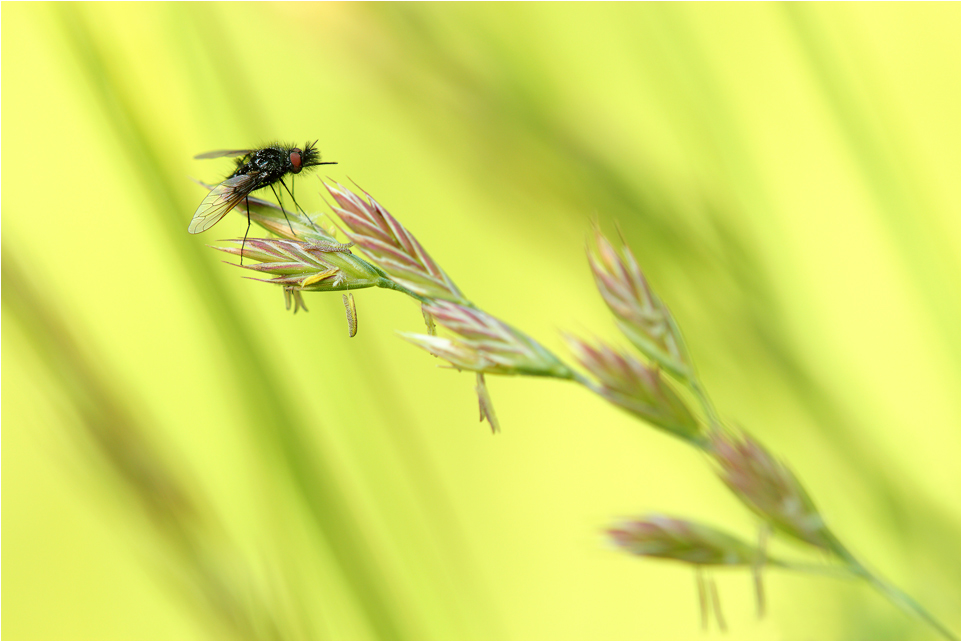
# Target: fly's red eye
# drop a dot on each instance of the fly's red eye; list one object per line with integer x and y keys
{"x": 296, "y": 160}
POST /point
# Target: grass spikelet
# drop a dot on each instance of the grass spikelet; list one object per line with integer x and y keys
{"x": 638, "y": 312}
{"x": 391, "y": 247}
{"x": 768, "y": 487}
{"x": 310, "y": 266}
{"x": 681, "y": 540}
{"x": 635, "y": 387}
{"x": 486, "y": 344}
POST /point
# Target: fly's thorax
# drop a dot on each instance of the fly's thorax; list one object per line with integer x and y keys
{"x": 271, "y": 160}
{"x": 270, "y": 163}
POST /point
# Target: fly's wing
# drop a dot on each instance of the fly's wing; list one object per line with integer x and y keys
{"x": 220, "y": 153}
{"x": 220, "y": 200}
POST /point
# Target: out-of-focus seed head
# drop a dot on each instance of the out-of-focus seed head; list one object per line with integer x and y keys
{"x": 485, "y": 344}
{"x": 681, "y": 540}
{"x": 640, "y": 314}
{"x": 391, "y": 247}
{"x": 630, "y": 384}
{"x": 768, "y": 488}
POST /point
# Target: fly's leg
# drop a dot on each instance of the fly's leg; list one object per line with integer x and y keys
{"x": 290, "y": 190}
{"x": 247, "y": 203}
{"x": 278, "y": 197}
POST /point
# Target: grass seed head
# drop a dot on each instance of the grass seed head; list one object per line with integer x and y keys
{"x": 681, "y": 540}
{"x": 642, "y": 317}
{"x": 768, "y": 487}
{"x": 485, "y": 344}
{"x": 313, "y": 266}
{"x": 390, "y": 246}
{"x": 635, "y": 387}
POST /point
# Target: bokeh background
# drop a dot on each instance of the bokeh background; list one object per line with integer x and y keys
{"x": 183, "y": 458}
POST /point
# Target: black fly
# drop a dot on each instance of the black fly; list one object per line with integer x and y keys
{"x": 256, "y": 168}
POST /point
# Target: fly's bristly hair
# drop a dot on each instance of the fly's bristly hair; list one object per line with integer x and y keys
{"x": 277, "y": 159}
{"x": 254, "y": 169}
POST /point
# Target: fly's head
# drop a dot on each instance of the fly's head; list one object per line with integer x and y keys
{"x": 303, "y": 158}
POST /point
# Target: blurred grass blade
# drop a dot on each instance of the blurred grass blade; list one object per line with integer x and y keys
{"x": 182, "y": 520}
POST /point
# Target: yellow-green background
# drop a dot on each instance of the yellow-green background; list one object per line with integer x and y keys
{"x": 182, "y": 458}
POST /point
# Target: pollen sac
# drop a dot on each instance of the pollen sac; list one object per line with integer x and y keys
{"x": 351, "y": 313}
